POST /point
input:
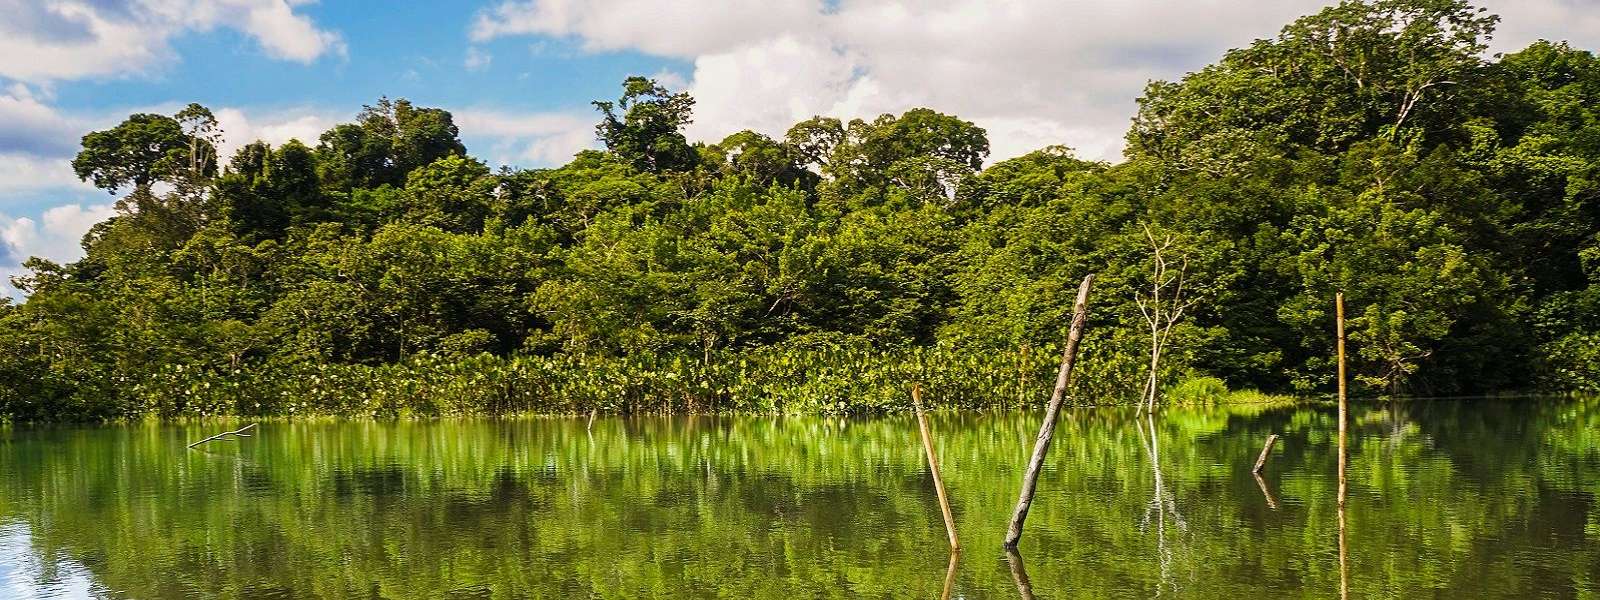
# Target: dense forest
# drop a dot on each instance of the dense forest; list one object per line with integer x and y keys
{"x": 1373, "y": 148}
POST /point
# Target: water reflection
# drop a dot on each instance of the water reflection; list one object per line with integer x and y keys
{"x": 26, "y": 575}
{"x": 950, "y": 574}
{"x": 1266, "y": 492}
{"x": 1019, "y": 574}
{"x": 1488, "y": 499}
{"x": 1162, "y": 504}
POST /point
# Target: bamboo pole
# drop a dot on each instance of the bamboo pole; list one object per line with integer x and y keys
{"x": 1344, "y": 569}
{"x": 1338, "y": 300}
{"x": 1266, "y": 450}
{"x": 1041, "y": 445}
{"x": 933, "y": 466}
{"x": 240, "y": 432}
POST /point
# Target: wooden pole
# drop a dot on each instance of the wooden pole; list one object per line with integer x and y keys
{"x": 1041, "y": 445}
{"x": 1338, "y": 301}
{"x": 1266, "y": 450}
{"x": 240, "y": 432}
{"x": 1344, "y": 570}
{"x": 933, "y": 466}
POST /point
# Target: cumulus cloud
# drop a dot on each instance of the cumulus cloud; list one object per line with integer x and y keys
{"x": 240, "y": 127}
{"x": 73, "y": 39}
{"x": 1524, "y": 21}
{"x": 477, "y": 59}
{"x": 1032, "y": 72}
{"x": 37, "y": 141}
{"x": 21, "y": 172}
{"x": 667, "y": 27}
{"x": 28, "y": 124}
{"x": 530, "y": 139}
{"x": 56, "y": 235}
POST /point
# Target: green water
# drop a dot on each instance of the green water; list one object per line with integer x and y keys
{"x": 1447, "y": 499}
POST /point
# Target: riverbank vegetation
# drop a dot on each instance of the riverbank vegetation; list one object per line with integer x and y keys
{"x": 1373, "y": 148}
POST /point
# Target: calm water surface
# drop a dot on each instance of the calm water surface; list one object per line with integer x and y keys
{"x": 1472, "y": 499}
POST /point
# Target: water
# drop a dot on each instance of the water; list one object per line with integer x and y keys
{"x": 1472, "y": 499}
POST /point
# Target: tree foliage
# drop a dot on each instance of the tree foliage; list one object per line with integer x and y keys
{"x": 1369, "y": 148}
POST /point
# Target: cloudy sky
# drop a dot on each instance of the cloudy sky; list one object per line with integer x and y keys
{"x": 519, "y": 74}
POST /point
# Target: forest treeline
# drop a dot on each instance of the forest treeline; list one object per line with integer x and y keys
{"x": 1373, "y": 148}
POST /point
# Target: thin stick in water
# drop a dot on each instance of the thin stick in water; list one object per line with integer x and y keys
{"x": 1338, "y": 301}
{"x": 240, "y": 432}
{"x": 1344, "y": 569}
{"x": 933, "y": 466}
{"x": 1266, "y": 450}
{"x": 1041, "y": 445}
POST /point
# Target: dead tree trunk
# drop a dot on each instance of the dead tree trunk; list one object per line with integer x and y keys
{"x": 1041, "y": 445}
{"x": 1266, "y": 450}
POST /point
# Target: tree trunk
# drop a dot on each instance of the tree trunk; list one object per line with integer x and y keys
{"x": 1041, "y": 445}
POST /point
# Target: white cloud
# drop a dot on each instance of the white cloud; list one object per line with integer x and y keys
{"x": 533, "y": 139}
{"x": 239, "y": 127}
{"x": 668, "y": 27}
{"x": 56, "y": 235}
{"x": 73, "y": 39}
{"x": 1524, "y": 21}
{"x": 1032, "y": 72}
{"x": 21, "y": 172}
{"x": 477, "y": 59}
{"x": 28, "y": 124}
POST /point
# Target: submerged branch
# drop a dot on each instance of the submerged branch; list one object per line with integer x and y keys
{"x": 240, "y": 432}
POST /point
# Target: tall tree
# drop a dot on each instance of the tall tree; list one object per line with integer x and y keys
{"x": 645, "y": 126}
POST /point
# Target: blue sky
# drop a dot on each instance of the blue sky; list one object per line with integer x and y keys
{"x": 519, "y": 74}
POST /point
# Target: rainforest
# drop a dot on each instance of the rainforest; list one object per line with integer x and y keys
{"x": 1373, "y": 148}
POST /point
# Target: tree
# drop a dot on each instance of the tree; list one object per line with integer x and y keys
{"x": 1166, "y": 303}
{"x": 200, "y": 129}
{"x": 920, "y": 150}
{"x": 1403, "y": 69}
{"x": 454, "y": 193}
{"x": 648, "y": 131}
{"x": 757, "y": 159}
{"x": 388, "y": 140}
{"x": 143, "y": 149}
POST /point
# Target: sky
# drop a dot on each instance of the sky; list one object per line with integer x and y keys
{"x": 519, "y": 74}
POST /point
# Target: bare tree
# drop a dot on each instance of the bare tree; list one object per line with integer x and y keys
{"x": 1165, "y": 304}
